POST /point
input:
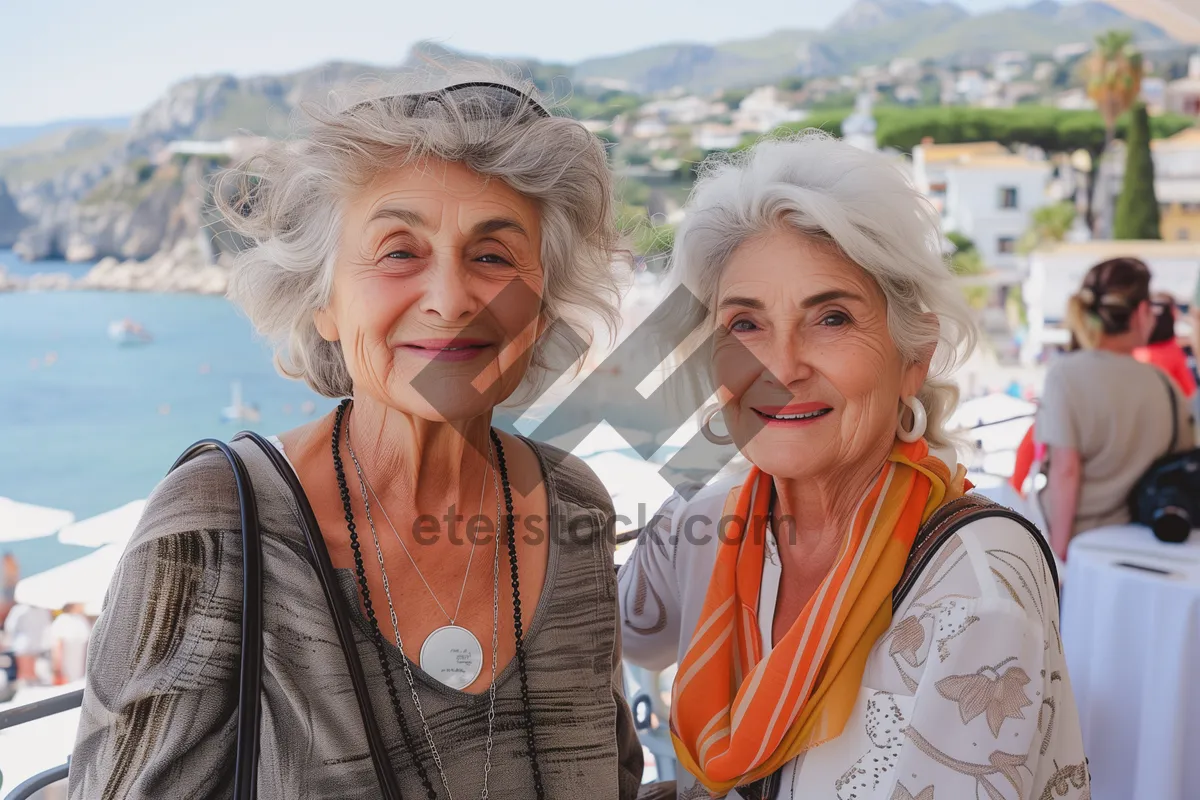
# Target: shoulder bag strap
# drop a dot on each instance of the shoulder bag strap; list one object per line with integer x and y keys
{"x": 249, "y": 713}
{"x": 341, "y": 618}
{"x": 949, "y": 520}
{"x": 1174, "y": 411}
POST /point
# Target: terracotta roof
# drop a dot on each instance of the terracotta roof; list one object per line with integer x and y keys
{"x": 937, "y": 153}
{"x": 1007, "y": 161}
{"x": 1139, "y": 248}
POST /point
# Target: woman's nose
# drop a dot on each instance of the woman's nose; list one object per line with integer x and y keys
{"x": 448, "y": 292}
{"x": 787, "y": 361}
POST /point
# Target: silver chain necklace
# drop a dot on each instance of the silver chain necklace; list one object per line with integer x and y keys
{"x": 412, "y": 686}
{"x": 470, "y": 558}
{"x": 451, "y": 653}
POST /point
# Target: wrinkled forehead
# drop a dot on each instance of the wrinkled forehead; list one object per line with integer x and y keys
{"x": 785, "y": 269}
{"x": 421, "y": 194}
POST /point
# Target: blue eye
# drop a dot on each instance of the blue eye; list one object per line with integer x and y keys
{"x": 743, "y": 325}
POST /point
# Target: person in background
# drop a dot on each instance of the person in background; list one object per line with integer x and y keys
{"x": 1105, "y": 416}
{"x": 1163, "y": 350}
{"x": 26, "y": 628}
{"x": 68, "y": 635}
{"x": 10, "y": 576}
{"x": 1028, "y": 452}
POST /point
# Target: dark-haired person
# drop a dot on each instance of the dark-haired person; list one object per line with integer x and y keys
{"x": 1104, "y": 415}
{"x": 1163, "y": 350}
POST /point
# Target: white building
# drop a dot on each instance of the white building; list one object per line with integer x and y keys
{"x": 649, "y": 128}
{"x": 971, "y": 86}
{"x": 858, "y": 129}
{"x": 713, "y": 136}
{"x": 685, "y": 110}
{"x": 764, "y": 110}
{"x": 1057, "y": 271}
{"x": 985, "y": 193}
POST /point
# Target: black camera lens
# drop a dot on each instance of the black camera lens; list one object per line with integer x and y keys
{"x": 1172, "y": 524}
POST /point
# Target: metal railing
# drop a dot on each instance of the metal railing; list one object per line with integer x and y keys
{"x": 34, "y": 711}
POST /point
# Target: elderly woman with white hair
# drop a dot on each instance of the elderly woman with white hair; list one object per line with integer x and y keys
{"x": 847, "y": 621}
{"x": 415, "y": 254}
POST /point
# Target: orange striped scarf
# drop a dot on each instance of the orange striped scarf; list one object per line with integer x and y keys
{"x": 736, "y": 716}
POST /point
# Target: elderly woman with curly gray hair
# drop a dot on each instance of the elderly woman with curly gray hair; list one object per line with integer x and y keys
{"x": 847, "y": 619}
{"x": 413, "y": 256}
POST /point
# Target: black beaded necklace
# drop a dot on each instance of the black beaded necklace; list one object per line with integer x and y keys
{"x": 377, "y": 634}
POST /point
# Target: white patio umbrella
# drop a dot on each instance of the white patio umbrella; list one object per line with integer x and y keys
{"x": 111, "y": 527}
{"x": 636, "y": 488}
{"x": 602, "y": 438}
{"x": 20, "y": 521}
{"x": 991, "y": 408}
{"x": 84, "y": 580}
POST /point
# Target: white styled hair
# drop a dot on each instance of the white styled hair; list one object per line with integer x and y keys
{"x": 287, "y": 202}
{"x": 858, "y": 202}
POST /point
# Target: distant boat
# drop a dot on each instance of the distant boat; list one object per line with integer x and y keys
{"x": 237, "y": 411}
{"x": 126, "y": 331}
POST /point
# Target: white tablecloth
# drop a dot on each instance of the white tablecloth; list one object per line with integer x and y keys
{"x": 1132, "y": 640}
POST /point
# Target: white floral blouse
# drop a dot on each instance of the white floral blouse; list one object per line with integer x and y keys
{"x": 966, "y": 697}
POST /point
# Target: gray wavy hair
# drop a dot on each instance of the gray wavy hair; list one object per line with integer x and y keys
{"x": 287, "y": 202}
{"x": 857, "y": 201}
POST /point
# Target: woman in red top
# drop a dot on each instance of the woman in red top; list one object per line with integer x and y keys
{"x": 1164, "y": 351}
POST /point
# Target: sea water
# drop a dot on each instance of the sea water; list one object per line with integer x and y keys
{"x": 88, "y": 424}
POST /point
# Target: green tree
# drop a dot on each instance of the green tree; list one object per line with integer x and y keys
{"x": 734, "y": 97}
{"x": 1114, "y": 80}
{"x": 1047, "y": 224}
{"x": 966, "y": 262}
{"x": 1114, "y": 77}
{"x": 1137, "y": 208}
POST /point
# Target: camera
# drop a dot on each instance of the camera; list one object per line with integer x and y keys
{"x": 1166, "y": 497}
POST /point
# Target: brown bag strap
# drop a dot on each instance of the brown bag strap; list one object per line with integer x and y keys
{"x": 948, "y": 521}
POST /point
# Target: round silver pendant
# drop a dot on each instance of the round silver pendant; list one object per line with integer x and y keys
{"x": 452, "y": 655}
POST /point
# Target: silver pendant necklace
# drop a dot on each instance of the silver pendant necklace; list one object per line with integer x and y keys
{"x": 412, "y": 686}
{"x": 451, "y": 654}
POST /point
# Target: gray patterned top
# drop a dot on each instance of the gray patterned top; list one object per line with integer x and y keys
{"x": 159, "y": 709}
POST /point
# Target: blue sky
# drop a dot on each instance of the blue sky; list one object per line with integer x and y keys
{"x": 94, "y": 58}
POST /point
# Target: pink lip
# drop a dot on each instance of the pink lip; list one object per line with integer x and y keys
{"x": 446, "y": 349}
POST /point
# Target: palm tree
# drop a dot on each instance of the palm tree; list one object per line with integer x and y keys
{"x": 1114, "y": 81}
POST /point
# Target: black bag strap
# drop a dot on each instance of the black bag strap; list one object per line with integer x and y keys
{"x": 949, "y": 520}
{"x": 249, "y": 713}
{"x": 1174, "y": 412}
{"x": 337, "y": 609}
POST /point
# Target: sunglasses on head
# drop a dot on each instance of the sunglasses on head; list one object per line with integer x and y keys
{"x": 473, "y": 99}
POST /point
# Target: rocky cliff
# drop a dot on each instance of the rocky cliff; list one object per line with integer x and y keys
{"x": 12, "y": 221}
{"x": 132, "y": 213}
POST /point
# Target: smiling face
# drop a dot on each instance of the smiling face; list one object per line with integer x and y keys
{"x": 426, "y": 252}
{"x": 822, "y": 391}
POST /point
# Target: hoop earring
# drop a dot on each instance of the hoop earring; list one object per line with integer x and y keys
{"x": 706, "y": 428}
{"x": 920, "y": 420}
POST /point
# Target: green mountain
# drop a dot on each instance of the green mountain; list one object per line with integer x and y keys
{"x": 870, "y": 32}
